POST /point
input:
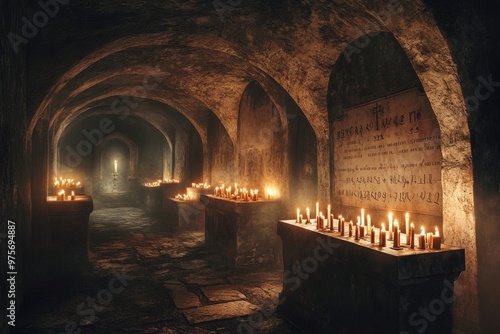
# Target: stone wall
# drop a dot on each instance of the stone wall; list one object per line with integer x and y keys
{"x": 14, "y": 160}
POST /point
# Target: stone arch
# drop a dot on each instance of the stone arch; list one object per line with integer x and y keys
{"x": 134, "y": 156}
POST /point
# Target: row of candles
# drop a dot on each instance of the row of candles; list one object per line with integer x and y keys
{"x": 200, "y": 185}
{"x": 236, "y": 193}
{"x": 66, "y": 183}
{"x": 157, "y": 183}
{"x": 242, "y": 193}
{"x": 61, "y": 196}
{"x": 183, "y": 197}
{"x": 425, "y": 241}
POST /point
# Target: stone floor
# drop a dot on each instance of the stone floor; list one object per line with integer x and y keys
{"x": 145, "y": 279}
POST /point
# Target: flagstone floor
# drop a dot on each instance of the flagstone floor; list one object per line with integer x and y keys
{"x": 145, "y": 279}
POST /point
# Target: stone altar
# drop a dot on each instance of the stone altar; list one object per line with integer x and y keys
{"x": 69, "y": 229}
{"x": 243, "y": 232}
{"x": 183, "y": 214}
{"x": 334, "y": 284}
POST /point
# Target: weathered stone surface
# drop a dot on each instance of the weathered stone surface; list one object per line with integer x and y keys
{"x": 204, "y": 281}
{"x": 218, "y": 293}
{"x": 219, "y": 311}
{"x": 185, "y": 299}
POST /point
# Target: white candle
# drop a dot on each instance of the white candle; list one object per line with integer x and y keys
{"x": 362, "y": 217}
{"x": 298, "y": 214}
{"x": 369, "y": 221}
{"x": 317, "y": 210}
{"x": 330, "y": 221}
{"x": 116, "y": 166}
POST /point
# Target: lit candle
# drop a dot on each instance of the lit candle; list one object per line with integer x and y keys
{"x": 381, "y": 241}
{"x": 390, "y": 225}
{"x": 72, "y": 196}
{"x": 341, "y": 226}
{"x": 116, "y": 166}
{"x": 308, "y": 216}
{"x": 361, "y": 231}
{"x": 396, "y": 234}
{"x": 362, "y": 217}
{"x": 298, "y": 214}
{"x": 319, "y": 221}
{"x": 372, "y": 235}
{"x": 369, "y": 222}
{"x": 412, "y": 236}
{"x": 330, "y": 219}
{"x": 350, "y": 228}
{"x": 358, "y": 221}
{"x": 436, "y": 240}
{"x": 356, "y": 232}
{"x": 300, "y": 219}
{"x": 317, "y": 209}
{"x": 421, "y": 239}
{"x": 407, "y": 227}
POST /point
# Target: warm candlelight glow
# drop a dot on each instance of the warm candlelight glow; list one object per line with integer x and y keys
{"x": 436, "y": 233}
{"x": 183, "y": 197}
{"x": 116, "y": 166}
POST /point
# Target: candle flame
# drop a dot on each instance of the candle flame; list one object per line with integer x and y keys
{"x": 437, "y": 232}
{"x": 383, "y": 227}
{"x": 422, "y": 231}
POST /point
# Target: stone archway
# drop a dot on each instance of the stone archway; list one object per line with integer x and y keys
{"x": 133, "y": 156}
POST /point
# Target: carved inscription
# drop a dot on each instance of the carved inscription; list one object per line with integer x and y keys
{"x": 387, "y": 155}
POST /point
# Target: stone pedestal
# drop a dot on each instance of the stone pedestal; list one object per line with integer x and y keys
{"x": 243, "y": 232}
{"x": 152, "y": 199}
{"x": 69, "y": 229}
{"x": 195, "y": 193}
{"x": 334, "y": 284}
{"x": 183, "y": 214}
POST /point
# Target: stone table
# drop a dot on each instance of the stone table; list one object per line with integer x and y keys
{"x": 183, "y": 214}
{"x": 243, "y": 232}
{"x": 195, "y": 193}
{"x": 152, "y": 198}
{"x": 69, "y": 229}
{"x": 336, "y": 284}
